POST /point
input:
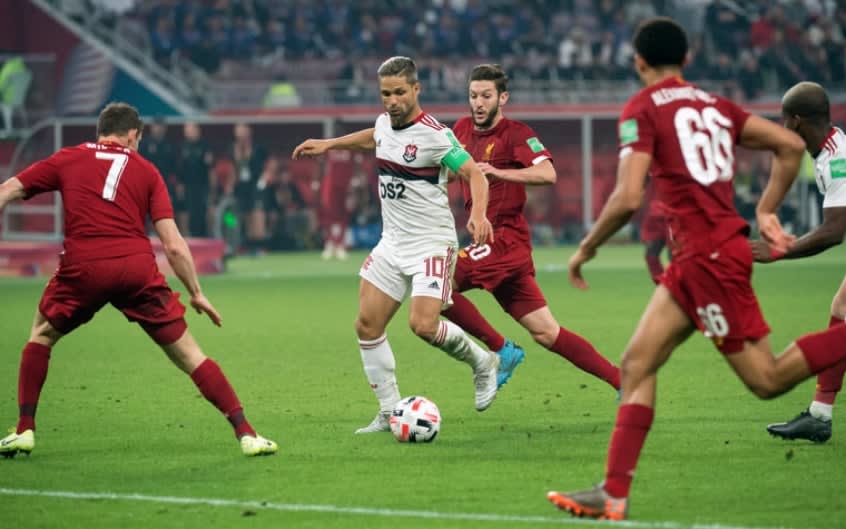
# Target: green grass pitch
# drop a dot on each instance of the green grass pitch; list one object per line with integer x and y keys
{"x": 117, "y": 418}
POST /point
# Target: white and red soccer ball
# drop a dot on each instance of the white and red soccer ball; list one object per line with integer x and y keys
{"x": 415, "y": 420}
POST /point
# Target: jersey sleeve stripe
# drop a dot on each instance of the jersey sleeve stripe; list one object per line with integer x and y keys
{"x": 539, "y": 159}
{"x": 431, "y": 122}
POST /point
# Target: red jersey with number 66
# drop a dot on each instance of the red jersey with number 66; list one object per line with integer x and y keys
{"x": 108, "y": 191}
{"x": 691, "y": 136}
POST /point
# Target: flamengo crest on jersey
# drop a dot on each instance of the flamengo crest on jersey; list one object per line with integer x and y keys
{"x": 830, "y": 169}
{"x": 413, "y": 163}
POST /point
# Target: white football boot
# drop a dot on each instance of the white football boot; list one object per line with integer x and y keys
{"x": 381, "y": 423}
{"x": 484, "y": 378}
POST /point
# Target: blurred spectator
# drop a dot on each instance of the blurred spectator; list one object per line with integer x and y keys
{"x": 334, "y": 39}
{"x": 291, "y": 223}
{"x": 161, "y": 152}
{"x": 195, "y": 162}
{"x": 249, "y": 160}
{"x": 163, "y": 40}
{"x": 749, "y": 77}
{"x": 339, "y": 169}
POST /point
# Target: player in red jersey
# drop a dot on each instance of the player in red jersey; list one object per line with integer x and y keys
{"x": 511, "y": 155}
{"x": 108, "y": 191}
{"x": 339, "y": 169}
{"x": 653, "y": 232}
{"x": 688, "y": 137}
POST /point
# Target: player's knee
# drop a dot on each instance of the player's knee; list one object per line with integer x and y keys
{"x": 765, "y": 391}
{"x": 366, "y": 329}
{"x": 44, "y": 334}
{"x": 425, "y": 328}
{"x": 633, "y": 368}
{"x": 838, "y": 305}
{"x": 545, "y": 337}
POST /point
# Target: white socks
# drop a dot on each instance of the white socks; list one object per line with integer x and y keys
{"x": 452, "y": 339}
{"x": 820, "y": 410}
{"x": 379, "y": 367}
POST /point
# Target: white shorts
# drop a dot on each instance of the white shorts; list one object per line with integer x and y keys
{"x": 428, "y": 271}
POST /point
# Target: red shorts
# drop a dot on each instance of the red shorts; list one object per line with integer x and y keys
{"x": 505, "y": 269}
{"x": 716, "y": 293}
{"x": 132, "y": 284}
{"x": 653, "y": 227}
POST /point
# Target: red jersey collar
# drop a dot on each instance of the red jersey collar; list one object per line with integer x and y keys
{"x": 828, "y": 142}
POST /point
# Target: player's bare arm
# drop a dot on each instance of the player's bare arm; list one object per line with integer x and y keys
{"x": 10, "y": 191}
{"x": 618, "y": 210}
{"x": 180, "y": 259}
{"x": 478, "y": 225}
{"x": 787, "y": 148}
{"x": 540, "y": 174}
{"x": 830, "y": 233}
{"x": 361, "y": 140}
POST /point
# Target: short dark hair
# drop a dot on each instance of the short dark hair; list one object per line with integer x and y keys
{"x": 118, "y": 119}
{"x": 809, "y": 101}
{"x": 661, "y": 41}
{"x": 399, "y": 66}
{"x": 490, "y": 72}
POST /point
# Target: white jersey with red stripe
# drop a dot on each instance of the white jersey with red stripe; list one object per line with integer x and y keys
{"x": 413, "y": 162}
{"x": 830, "y": 169}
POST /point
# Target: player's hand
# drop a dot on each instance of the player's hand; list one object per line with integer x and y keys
{"x": 203, "y": 306}
{"x": 574, "y": 267}
{"x": 763, "y": 252}
{"x": 488, "y": 169}
{"x": 480, "y": 229}
{"x": 310, "y": 147}
{"x": 772, "y": 232}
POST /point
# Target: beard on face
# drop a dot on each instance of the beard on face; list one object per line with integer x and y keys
{"x": 486, "y": 124}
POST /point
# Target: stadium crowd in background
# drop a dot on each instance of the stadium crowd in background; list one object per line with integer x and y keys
{"x": 542, "y": 40}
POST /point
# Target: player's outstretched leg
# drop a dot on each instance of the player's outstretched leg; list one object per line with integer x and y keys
{"x": 214, "y": 386}
{"x": 212, "y": 383}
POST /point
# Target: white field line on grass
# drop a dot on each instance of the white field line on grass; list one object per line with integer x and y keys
{"x": 563, "y": 519}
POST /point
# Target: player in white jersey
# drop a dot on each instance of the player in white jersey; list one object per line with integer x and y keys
{"x": 418, "y": 246}
{"x": 805, "y": 110}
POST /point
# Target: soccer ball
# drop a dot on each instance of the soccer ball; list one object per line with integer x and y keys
{"x": 415, "y": 420}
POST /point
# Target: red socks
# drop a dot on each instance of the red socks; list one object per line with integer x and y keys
{"x": 464, "y": 314}
{"x": 212, "y": 383}
{"x": 830, "y": 381}
{"x": 33, "y": 372}
{"x": 633, "y": 423}
{"x": 582, "y": 354}
{"x": 823, "y": 349}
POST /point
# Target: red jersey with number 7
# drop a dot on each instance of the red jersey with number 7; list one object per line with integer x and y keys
{"x": 108, "y": 192}
{"x": 691, "y": 136}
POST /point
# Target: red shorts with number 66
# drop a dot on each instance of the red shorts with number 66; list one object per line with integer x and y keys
{"x": 505, "y": 269}
{"x": 715, "y": 291}
{"x": 132, "y": 284}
